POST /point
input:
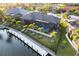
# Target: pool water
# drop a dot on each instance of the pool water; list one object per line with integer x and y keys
{"x": 12, "y": 46}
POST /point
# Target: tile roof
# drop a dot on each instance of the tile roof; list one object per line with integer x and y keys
{"x": 67, "y": 8}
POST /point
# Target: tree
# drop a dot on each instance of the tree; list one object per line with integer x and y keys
{"x": 64, "y": 19}
{"x": 40, "y": 28}
{"x": 1, "y": 14}
{"x": 53, "y": 34}
{"x": 24, "y": 28}
{"x": 61, "y": 6}
{"x": 7, "y": 20}
{"x": 77, "y": 31}
{"x": 19, "y": 25}
{"x": 13, "y": 21}
{"x": 76, "y": 37}
{"x": 31, "y": 25}
{"x": 65, "y": 16}
{"x": 46, "y": 8}
{"x": 77, "y": 46}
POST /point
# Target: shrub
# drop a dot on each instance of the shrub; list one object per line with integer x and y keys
{"x": 53, "y": 34}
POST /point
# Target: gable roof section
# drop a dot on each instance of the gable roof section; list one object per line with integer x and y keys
{"x": 51, "y": 18}
{"x": 28, "y": 16}
{"x": 16, "y": 11}
{"x": 37, "y": 15}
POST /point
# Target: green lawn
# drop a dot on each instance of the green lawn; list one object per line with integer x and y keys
{"x": 42, "y": 39}
{"x": 68, "y": 50}
{"x": 63, "y": 49}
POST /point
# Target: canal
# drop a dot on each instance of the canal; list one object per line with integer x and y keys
{"x": 12, "y": 46}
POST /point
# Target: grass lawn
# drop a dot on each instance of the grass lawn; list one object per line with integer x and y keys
{"x": 62, "y": 49}
{"x": 68, "y": 50}
{"x": 42, "y": 39}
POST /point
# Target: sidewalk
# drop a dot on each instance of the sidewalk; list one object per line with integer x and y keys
{"x": 71, "y": 42}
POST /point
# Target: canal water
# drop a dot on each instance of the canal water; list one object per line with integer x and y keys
{"x": 12, "y": 46}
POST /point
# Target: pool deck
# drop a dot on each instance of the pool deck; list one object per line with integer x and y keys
{"x": 42, "y": 50}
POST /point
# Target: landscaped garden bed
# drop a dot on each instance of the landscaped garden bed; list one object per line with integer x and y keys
{"x": 64, "y": 47}
{"x": 59, "y": 45}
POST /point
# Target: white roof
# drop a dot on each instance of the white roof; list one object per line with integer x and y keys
{"x": 53, "y": 15}
{"x": 73, "y": 18}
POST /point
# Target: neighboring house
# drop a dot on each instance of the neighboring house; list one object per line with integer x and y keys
{"x": 73, "y": 23}
{"x": 48, "y": 21}
{"x": 68, "y": 8}
{"x": 54, "y": 7}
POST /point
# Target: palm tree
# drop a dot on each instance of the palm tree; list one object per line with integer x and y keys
{"x": 7, "y": 20}
{"x": 77, "y": 31}
{"x": 1, "y": 14}
{"x": 46, "y": 8}
{"x": 54, "y": 35}
{"x": 76, "y": 39}
{"x": 19, "y": 25}
{"x": 40, "y": 28}
{"x": 77, "y": 52}
{"x": 61, "y": 6}
{"x": 24, "y": 28}
{"x": 31, "y": 25}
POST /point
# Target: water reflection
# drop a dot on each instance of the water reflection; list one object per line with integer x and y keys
{"x": 12, "y": 46}
{"x": 9, "y": 39}
{"x": 0, "y": 36}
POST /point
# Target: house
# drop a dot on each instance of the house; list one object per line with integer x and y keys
{"x": 54, "y": 7}
{"x": 48, "y": 21}
{"x": 71, "y": 7}
{"x": 73, "y": 23}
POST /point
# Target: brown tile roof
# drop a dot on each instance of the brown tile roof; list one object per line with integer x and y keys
{"x": 67, "y": 8}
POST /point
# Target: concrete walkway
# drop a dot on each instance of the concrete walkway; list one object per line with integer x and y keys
{"x": 71, "y": 42}
{"x": 39, "y": 32}
{"x": 42, "y": 50}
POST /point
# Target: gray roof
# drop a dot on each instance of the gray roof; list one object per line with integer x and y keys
{"x": 27, "y": 16}
{"x": 15, "y": 11}
{"x": 51, "y": 19}
{"x": 35, "y": 15}
{"x": 42, "y": 16}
